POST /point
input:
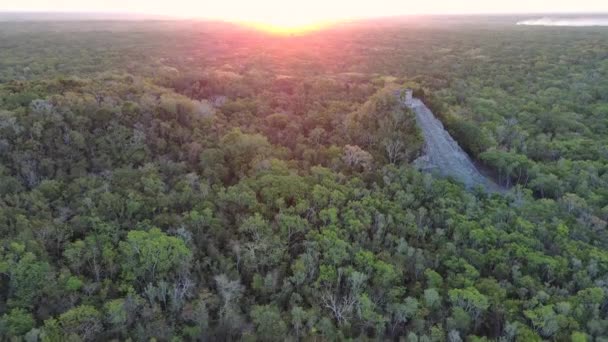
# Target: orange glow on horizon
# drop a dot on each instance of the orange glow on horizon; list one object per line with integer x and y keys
{"x": 280, "y": 28}
{"x": 283, "y": 16}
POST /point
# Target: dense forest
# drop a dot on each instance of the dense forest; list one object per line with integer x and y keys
{"x": 191, "y": 181}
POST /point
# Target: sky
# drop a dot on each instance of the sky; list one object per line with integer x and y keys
{"x": 301, "y": 12}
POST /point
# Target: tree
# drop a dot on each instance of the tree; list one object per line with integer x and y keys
{"x": 356, "y": 158}
{"x": 469, "y": 135}
{"x": 547, "y": 185}
{"x": 242, "y": 151}
{"x": 544, "y": 319}
{"x": 432, "y": 298}
{"x": 589, "y": 301}
{"x": 268, "y": 323}
{"x": 434, "y": 279}
{"x": 17, "y": 322}
{"x": 298, "y": 320}
{"x": 511, "y": 167}
{"x": 578, "y": 336}
{"x": 28, "y": 277}
{"x": 84, "y": 322}
{"x": 231, "y": 292}
{"x": 402, "y": 313}
{"x": 470, "y": 300}
{"x": 152, "y": 256}
{"x": 96, "y": 255}
{"x": 116, "y": 313}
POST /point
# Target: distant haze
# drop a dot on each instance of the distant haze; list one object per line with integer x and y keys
{"x": 71, "y": 16}
{"x": 578, "y": 21}
{"x": 295, "y": 10}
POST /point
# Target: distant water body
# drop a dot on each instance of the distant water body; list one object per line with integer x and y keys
{"x": 578, "y": 22}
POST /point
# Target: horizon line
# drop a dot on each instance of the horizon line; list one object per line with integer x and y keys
{"x": 156, "y": 16}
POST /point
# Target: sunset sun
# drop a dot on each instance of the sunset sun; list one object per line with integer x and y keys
{"x": 282, "y": 17}
{"x": 284, "y": 27}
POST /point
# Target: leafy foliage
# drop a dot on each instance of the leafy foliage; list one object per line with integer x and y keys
{"x": 205, "y": 182}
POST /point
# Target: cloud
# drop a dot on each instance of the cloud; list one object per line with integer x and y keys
{"x": 577, "y": 22}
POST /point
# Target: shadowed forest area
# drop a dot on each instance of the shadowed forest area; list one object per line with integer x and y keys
{"x": 192, "y": 181}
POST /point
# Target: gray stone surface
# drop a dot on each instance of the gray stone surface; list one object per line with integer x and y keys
{"x": 442, "y": 154}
